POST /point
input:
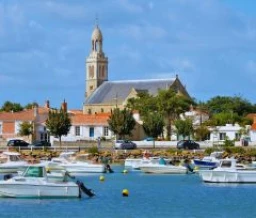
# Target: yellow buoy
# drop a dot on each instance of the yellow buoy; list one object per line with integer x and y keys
{"x": 102, "y": 178}
{"x": 125, "y": 171}
{"x": 125, "y": 193}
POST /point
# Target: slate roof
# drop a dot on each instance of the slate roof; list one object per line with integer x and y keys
{"x": 117, "y": 91}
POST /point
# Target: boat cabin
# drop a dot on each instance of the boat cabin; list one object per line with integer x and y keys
{"x": 35, "y": 171}
{"x": 9, "y": 157}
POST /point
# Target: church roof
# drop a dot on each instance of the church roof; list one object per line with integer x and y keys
{"x": 118, "y": 91}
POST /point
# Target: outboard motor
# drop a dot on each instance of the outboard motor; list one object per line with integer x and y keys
{"x": 187, "y": 165}
{"x": 7, "y": 176}
{"x": 85, "y": 190}
{"x": 108, "y": 169}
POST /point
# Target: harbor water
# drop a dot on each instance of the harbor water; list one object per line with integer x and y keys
{"x": 149, "y": 196}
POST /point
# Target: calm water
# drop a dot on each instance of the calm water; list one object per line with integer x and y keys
{"x": 150, "y": 196}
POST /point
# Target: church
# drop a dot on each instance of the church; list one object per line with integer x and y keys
{"x": 102, "y": 96}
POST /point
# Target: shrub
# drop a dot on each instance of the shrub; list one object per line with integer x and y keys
{"x": 93, "y": 150}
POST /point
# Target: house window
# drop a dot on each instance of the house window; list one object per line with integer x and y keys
{"x": 102, "y": 110}
{"x": 77, "y": 130}
{"x": 237, "y": 136}
{"x": 222, "y": 136}
{"x": 91, "y": 87}
{"x": 105, "y": 130}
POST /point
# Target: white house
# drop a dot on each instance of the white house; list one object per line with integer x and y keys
{"x": 229, "y": 131}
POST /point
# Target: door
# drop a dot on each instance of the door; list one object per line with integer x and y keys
{"x": 91, "y": 133}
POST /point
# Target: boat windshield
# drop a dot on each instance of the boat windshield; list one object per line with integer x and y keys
{"x": 14, "y": 158}
{"x": 34, "y": 171}
{"x": 226, "y": 164}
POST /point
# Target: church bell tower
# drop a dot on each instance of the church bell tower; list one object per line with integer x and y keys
{"x": 96, "y": 63}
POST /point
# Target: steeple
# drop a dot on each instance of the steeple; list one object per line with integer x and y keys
{"x": 96, "y": 63}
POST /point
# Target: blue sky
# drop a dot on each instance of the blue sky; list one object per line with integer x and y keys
{"x": 210, "y": 44}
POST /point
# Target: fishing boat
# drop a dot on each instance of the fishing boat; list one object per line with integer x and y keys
{"x": 229, "y": 171}
{"x": 11, "y": 162}
{"x": 34, "y": 183}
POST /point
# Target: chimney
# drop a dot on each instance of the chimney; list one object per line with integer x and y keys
{"x": 64, "y": 106}
{"x": 47, "y": 104}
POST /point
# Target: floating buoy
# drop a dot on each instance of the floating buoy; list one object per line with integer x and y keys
{"x": 102, "y": 178}
{"x": 125, "y": 193}
{"x": 125, "y": 171}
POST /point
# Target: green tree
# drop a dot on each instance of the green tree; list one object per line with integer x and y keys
{"x": 184, "y": 127}
{"x": 10, "y": 106}
{"x": 26, "y": 129}
{"x": 221, "y": 119}
{"x": 121, "y": 122}
{"x": 226, "y": 104}
{"x": 31, "y": 105}
{"x": 58, "y": 123}
{"x": 153, "y": 124}
{"x": 201, "y": 132}
{"x": 171, "y": 105}
{"x": 144, "y": 103}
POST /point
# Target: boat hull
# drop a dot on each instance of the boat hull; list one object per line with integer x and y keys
{"x": 164, "y": 169}
{"x": 22, "y": 190}
{"x": 241, "y": 176}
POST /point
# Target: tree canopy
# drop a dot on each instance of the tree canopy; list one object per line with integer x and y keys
{"x": 58, "y": 123}
{"x": 121, "y": 122}
{"x": 153, "y": 124}
{"x": 26, "y": 129}
{"x": 11, "y": 107}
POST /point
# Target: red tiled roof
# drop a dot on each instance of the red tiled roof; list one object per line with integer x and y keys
{"x": 251, "y": 116}
{"x": 90, "y": 119}
{"x": 25, "y": 115}
{"x": 253, "y": 126}
{"x": 75, "y": 111}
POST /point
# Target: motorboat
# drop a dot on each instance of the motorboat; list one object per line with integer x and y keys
{"x": 135, "y": 163}
{"x": 69, "y": 162}
{"x": 54, "y": 174}
{"x": 229, "y": 171}
{"x": 11, "y": 162}
{"x": 161, "y": 168}
{"x": 209, "y": 162}
{"x": 34, "y": 183}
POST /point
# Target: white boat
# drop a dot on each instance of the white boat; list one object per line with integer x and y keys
{"x": 135, "y": 163}
{"x": 11, "y": 162}
{"x": 209, "y": 162}
{"x": 34, "y": 183}
{"x": 229, "y": 172}
{"x": 163, "y": 169}
{"x": 73, "y": 166}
